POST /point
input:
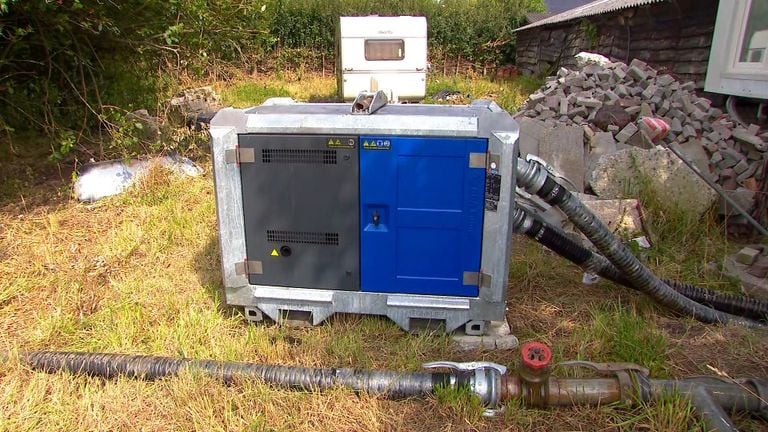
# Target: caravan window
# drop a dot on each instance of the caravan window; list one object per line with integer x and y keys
{"x": 384, "y": 49}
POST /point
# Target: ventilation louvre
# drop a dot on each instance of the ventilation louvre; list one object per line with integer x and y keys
{"x": 298, "y": 156}
{"x": 305, "y": 237}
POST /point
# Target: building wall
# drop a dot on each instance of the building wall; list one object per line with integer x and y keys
{"x": 674, "y": 35}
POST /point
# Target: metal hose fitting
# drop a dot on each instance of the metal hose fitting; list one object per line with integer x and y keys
{"x": 711, "y": 397}
{"x": 530, "y": 176}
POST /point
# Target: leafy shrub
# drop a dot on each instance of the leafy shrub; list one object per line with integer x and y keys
{"x": 63, "y": 62}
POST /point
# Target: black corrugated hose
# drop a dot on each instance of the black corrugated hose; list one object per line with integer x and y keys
{"x": 536, "y": 180}
{"x": 558, "y": 241}
{"x": 391, "y": 384}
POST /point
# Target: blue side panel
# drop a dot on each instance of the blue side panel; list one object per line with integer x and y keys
{"x": 421, "y": 214}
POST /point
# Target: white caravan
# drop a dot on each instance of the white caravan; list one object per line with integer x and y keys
{"x": 382, "y": 53}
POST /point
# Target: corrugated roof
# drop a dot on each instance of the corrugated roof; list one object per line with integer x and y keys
{"x": 595, "y": 8}
{"x": 532, "y": 17}
{"x": 558, "y": 6}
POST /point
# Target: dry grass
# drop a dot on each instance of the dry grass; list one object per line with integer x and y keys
{"x": 139, "y": 273}
{"x": 509, "y": 94}
{"x": 245, "y": 93}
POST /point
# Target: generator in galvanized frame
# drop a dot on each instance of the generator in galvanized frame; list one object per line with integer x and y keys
{"x": 395, "y": 210}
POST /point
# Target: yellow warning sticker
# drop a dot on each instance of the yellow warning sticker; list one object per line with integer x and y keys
{"x": 381, "y": 144}
{"x": 341, "y": 143}
{"x": 274, "y": 252}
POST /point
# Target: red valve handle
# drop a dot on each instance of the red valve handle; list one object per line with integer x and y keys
{"x": 535, "y": 355}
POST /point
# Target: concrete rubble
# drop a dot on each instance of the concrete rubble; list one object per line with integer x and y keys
{"x": 616, "y": 173}
{"x": 189, "y": 105}
{"x": 622, "y": 216}
{"x": 750, "y": 267}
{"x": 607, "y": 101}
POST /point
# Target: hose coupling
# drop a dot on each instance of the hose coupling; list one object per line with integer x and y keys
{"x": 483, "y": 378}
{"x": 521, "y": 220}
{"x": 531, "y": 175}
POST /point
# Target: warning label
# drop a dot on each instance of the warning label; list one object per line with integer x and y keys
{"x": 341, "y": 143}
{"x": 377, "y": 144}
{"x": 274, "y": 253}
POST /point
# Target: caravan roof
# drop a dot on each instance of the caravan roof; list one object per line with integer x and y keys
{"x": 383, "y": 27}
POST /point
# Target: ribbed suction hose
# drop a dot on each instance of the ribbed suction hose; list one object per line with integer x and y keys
{"x": 391, "y": 384}
{"x": 535, "y": 180}
{"x": 554, "y": 238}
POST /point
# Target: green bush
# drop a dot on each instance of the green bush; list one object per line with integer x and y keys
{"x": 63, "y": 61}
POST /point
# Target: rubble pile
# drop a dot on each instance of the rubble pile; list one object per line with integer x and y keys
{"x": 613, "y": 98}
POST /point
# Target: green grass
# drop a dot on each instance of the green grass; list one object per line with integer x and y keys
{"x": 509, "y": 94}
{"x": 251, "y": 93}
{"x": 140, "y": 273}
{"x": 243, "y": 93}
{"x": 461, "y": 400}
{"x": 670, "y": 413}
{"x": 683, "y": 243}
{"x": 620, "y": 334}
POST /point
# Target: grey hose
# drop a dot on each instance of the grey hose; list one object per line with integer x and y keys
{"x": 535, "y": 180}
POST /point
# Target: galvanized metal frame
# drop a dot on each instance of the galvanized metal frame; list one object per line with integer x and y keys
{"x": 482, "y": 119}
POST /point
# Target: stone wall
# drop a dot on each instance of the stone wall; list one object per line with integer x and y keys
{"x": 674, "y": 36}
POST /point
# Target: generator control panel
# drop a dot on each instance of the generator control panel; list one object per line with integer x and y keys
{"x": 403, "y": 213}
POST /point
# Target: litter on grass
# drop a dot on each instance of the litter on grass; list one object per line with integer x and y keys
{"x": 102, "y": 179}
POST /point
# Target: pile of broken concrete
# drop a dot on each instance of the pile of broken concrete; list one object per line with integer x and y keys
{"x": 589, "y": 124}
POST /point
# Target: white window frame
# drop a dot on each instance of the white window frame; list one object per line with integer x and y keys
{"x": 738, "y": 65}
{"x": 725, "y": 73}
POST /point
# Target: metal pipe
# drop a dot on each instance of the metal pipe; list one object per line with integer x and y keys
{"x": 712, "y": 414}
{"x": 585, "y": 391}
{"x": 729, "y": 394}
{"x": 712, "y": 398}
{"x": 564, "y": 391}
